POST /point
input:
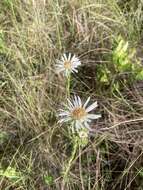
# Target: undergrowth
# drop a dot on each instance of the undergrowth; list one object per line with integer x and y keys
{"x": 35, "y": 150}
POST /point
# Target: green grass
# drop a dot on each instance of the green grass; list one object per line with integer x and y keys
{"x": 34, "y": 149}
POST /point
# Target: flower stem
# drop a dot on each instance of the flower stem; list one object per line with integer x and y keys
{"x": 68, "y": 86}
{"x": 67, "y": 169}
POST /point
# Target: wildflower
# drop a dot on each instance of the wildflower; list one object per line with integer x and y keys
{"x": 68, "y": 64}
{"x": 78, "y": 113}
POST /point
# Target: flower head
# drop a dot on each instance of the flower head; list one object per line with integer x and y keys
{"x": 68, "y": 64}
{"x": 78, "y": 113}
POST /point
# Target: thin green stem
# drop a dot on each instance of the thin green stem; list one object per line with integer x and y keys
{"x": 69, "y": 164}
{"x": 68, "y": 86}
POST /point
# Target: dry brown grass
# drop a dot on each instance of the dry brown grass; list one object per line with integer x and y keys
{"x": 36, "y": 33}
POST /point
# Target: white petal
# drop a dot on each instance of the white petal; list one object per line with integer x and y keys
{"x": 91, "y": 107}
{"x": 93, "y": 116}
{"x": 74, "y": 70}
{"x": 59, "y": 62}
{"x": 60, "y": 70}
{"x": 61, "y": 110}
{"x": 69, "y": 57}
{"x": 86, "y": 102}
{"x": 70, "y": 104}
{"x": 78, "y": 63}
{"x": 66, "y": 59}
{"x": 88, "y": 120}
{"x": 64, "y": 120}
{"x": 75, "y": 64}
{"x": 76, "y": 101}
{"x": 78, "y": 125}
{"x": 63, "y": 59}
{"x": 64, "y": 114}
{"x": 59, "y": 65}
{"x": 79, "y": 101}
{"x": 73, "y": 58}
{"x": 86, "y": 125}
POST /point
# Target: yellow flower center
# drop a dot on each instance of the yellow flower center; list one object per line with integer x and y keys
{"x": 67, "y": 65}
{"x": 78, "y": 113}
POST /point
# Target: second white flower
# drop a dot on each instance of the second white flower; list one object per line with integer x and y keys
{"x": 77, "y": 112}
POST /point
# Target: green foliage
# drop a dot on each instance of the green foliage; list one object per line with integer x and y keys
{"x": 3, "y": 137}
{"x": 48, "y": 180}
{"x": 8, "y": 3}
{"x": 140, "y": 172}
{"x": 122, "y": 62}
{"x": 104, "y": 74}
{"x": 82, "y": 137}
{"x": 31, "y": 92}
{"x": 139, "y": 75}
{"x": 11, "y": 174}
{"x": 121, "y": 56}
{"x": 2, "y": 42}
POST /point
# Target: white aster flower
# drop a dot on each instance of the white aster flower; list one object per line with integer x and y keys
{"x": 78, "y": 113}
{"x": 67, "y": 64}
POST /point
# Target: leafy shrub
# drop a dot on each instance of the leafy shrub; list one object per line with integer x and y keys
{"x": 122, "y": 65}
